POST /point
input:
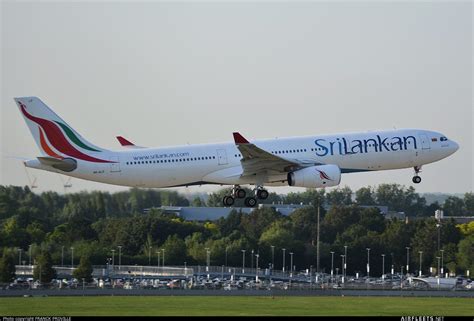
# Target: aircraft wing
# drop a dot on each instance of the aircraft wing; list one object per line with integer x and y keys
{"x": 258, "y": 161}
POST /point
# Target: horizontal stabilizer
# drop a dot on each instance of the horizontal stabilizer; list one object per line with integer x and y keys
{"x": 65, "y": 164}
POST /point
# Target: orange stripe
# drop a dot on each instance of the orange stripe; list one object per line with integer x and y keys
{"x": 45, "y": 146}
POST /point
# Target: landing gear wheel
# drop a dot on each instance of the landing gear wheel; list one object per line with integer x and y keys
{"x": 262, "y": 194}
{"x": 228, "y": 201}
{"x": 250, "y": 201}
{"x": 416, "y": 179}
{"x": 240, "y": 193}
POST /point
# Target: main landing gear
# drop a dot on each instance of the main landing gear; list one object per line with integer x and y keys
{"x": 250, "y": 201}
{"x": 417, "y": 179}
{"x": 237, "y": 192}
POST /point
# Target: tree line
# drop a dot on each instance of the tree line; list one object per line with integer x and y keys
{"x": 42, "y": 228}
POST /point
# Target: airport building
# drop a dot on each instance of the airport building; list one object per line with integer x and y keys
{"x": 203, "y": 214}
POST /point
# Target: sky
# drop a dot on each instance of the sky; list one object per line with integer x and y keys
{"x": 164, "y": 74}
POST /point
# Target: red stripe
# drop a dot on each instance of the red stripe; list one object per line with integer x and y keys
{"x": 57, "y": 139}
{"x": 45, "y": 146}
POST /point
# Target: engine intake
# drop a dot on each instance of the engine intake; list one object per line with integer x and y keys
{"x": 316, "y": 176}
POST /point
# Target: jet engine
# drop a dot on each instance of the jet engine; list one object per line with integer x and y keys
{"x": 315, "y": 176}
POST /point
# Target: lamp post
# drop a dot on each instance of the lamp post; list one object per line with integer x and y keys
{"x": 226, "y": 248}
{"x": 421, "y": 260}
{"x": 120, "y": 256}
{"x": 439, "y": 258}
{"x": 442, "y": 262}
{"x": 19, "y": 256}
{"x": 149, "y": 256}
{"x": 438, "y": 227}
{"x": 29, "y": 250}
{"x": 72, "y": 257}
{"x": 207, "y": 258}
{"x": 391, "y": 261}
{"x": 107, "y": 264}
{"x": 332, "y": 266}
{"x": 383, "y": 267}
{"x": 256, "y": 272}
{"x": 113, "y": 258}
{"x": 342, "y": 268}
{"x": 273, "y": 256}
{"x": 283, "y": 260}
{"x": 317, "y": 242}
{"x": 163, "y": 257}
{"x": 408, "y": 258}
{"x": 345, "y": 261}
{"x": 62, "y": 255}
{"x": 251, "y": 258}
{"x": 291, "y": 266}
{"x": 157, "y": 258}
{"x": 243, "y": 261}
{"x": 368, "y": 262}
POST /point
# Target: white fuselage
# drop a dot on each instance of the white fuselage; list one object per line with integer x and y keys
{"x": 220, "y": 163}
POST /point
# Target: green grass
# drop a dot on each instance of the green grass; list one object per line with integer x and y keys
{"x": 234, "y": 306}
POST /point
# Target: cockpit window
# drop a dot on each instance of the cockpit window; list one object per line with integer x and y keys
{"x": 443, "y": 139}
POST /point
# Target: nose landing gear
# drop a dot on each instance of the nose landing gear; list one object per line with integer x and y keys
{"x": 417, "y": 179}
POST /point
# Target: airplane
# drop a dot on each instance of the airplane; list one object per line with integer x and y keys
{"x": 310, "y": 161}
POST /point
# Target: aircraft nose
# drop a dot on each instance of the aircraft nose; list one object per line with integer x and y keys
{"x": 454, "y": 146}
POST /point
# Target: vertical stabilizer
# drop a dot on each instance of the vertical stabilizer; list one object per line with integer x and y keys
{"x": 54, "y": 137}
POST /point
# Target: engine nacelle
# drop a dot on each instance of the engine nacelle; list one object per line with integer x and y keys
{"x": 315, "y": 176}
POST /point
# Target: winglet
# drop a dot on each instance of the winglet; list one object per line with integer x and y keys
{"x": 124, "y": 142}
{"x": 239, "y": 139}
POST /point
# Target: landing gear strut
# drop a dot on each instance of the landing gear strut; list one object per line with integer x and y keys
{"x": 417, "y": 179}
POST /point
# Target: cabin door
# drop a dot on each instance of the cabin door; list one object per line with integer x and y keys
{"x": 222, "y": 156}
{"x": 115, "y": 165}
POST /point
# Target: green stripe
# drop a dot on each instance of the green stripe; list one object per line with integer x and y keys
{"x": 74, "y": 138}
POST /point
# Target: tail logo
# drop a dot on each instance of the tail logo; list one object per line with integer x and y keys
{"x": 59, "y": 141}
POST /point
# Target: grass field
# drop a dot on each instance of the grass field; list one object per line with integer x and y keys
{"x": 234, "y": 306}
